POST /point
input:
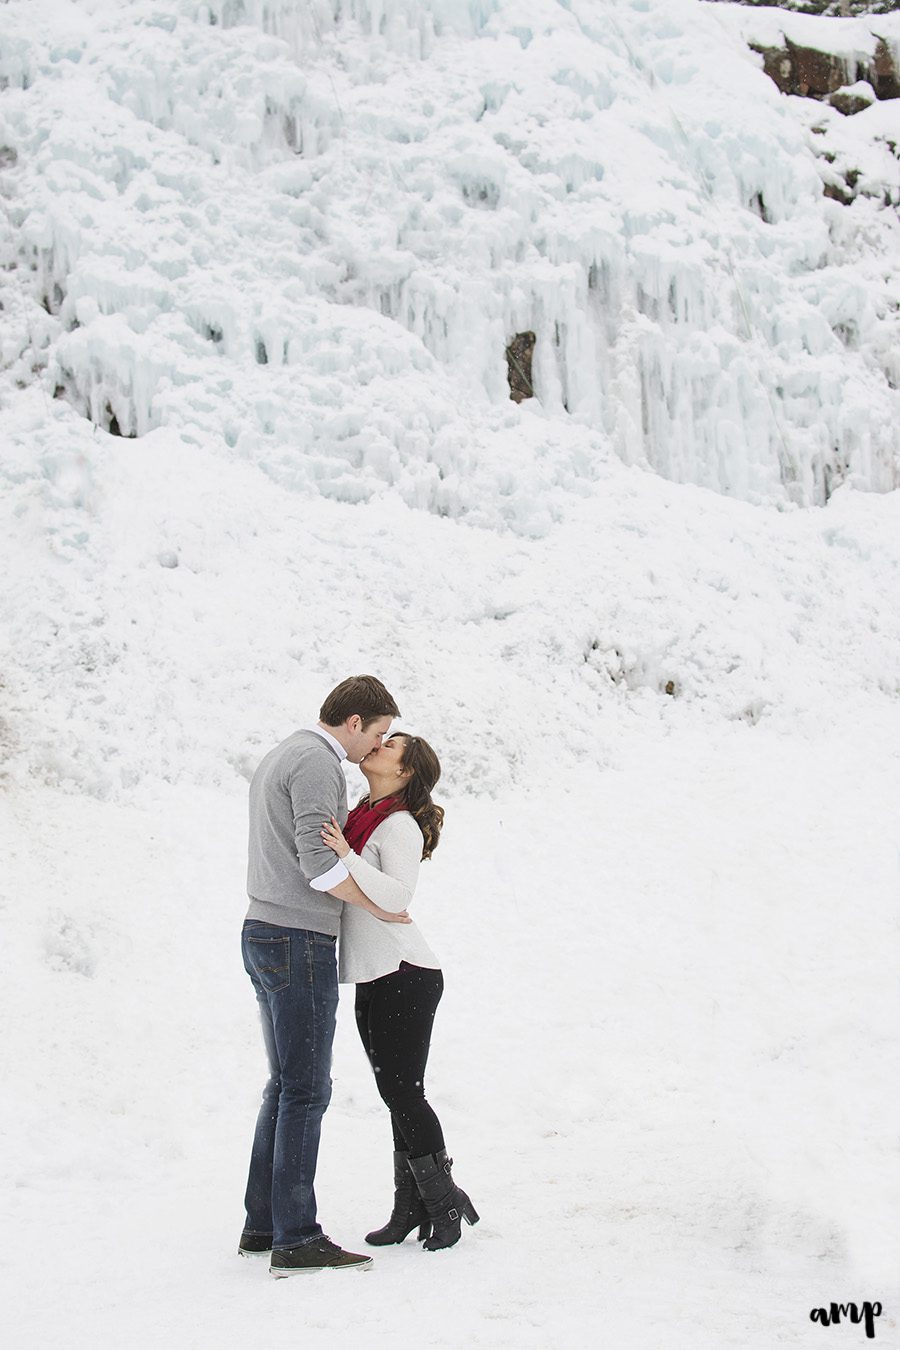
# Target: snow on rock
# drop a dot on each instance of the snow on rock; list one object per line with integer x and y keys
{"x": 854, "y": 38}
{"x": 853, "y": 98}
{"x": 815, "y": 57}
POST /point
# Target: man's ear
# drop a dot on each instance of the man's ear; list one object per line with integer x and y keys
{"x": 353, "y": 723}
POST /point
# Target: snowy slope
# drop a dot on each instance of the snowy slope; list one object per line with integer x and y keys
{"x": 665, "y": 686}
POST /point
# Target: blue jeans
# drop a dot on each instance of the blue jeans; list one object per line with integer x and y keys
{"x": 294, "y": 974}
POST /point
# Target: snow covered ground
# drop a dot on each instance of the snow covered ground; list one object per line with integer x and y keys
{"x": 667, "y": 1081}
{"x": 668, "y": 703}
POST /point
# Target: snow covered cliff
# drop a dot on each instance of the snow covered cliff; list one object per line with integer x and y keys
{"x": 308, "y": 233}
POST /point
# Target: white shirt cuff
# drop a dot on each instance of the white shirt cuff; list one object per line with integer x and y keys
{"x": 333, "y": 877}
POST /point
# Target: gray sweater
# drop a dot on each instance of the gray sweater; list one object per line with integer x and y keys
{"x": 298, "y": 786}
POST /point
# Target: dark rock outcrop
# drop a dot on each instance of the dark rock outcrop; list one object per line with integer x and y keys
{"x": 518, "y": 359}
{"x": 821, "y": 75}
{"x": 804, "y": 71}
{"x": 885, "y": 77}
{"x": 831, "y": 9}
{"x": 853, "y": 98}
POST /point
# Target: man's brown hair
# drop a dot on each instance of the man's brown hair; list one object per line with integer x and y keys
{"x": 362, "y": 695}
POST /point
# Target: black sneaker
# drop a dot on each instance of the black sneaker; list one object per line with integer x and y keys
{"x": 254, "y": 1244}
{"x": 322, "y": 1254}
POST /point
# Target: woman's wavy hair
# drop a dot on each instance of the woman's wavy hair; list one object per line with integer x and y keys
{"x": 425, "y": 767}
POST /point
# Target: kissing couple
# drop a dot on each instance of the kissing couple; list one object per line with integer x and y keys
{"x": 316, "y": 874}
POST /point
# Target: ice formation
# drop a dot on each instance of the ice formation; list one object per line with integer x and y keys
{"x": 280, "y": 252}
{"x": 312, "y": 230}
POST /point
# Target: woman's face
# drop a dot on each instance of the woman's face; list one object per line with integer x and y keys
{"x": 387, "y": 760}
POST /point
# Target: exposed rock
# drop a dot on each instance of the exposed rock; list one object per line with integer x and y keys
{"x": 853, "y": 98}
{"x": 814, "y": 74}
{"x": 518, "y": 358}
{"x": 838, "y": 193}
{"x": 805, "y": 71}
{"x": 886, "y": 71}
{"x": 831, "y": 9}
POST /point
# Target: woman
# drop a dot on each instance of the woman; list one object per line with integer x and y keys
{"x": 398, "y": 980}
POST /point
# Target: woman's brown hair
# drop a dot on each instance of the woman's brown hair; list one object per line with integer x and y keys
{"x": 423, "y": 763}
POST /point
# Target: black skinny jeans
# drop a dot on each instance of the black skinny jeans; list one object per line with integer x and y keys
{"x": 395, "y": 1015}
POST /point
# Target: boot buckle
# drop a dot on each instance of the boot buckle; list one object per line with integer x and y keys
{"x": 452, "y": 1213}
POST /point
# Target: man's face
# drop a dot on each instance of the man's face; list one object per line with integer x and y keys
{"x": 360, "y": 742}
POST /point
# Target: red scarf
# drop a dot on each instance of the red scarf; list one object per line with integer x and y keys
{"x": 363, "y": 819}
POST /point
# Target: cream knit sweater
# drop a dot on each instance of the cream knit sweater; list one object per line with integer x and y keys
{"x": 386, "y": 872}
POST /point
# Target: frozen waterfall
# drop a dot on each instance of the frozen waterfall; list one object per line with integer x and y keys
{"x": 311, "y": 230}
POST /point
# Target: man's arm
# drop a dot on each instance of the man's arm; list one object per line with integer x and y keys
{"x": 352, "y": 895}
{"x": 315, "y": 800}
{"x": 316, "y": 795}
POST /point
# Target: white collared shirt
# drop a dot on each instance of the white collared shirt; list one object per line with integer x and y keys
{"x": 335, "y": 744}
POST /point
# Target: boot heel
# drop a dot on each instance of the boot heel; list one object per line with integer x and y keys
{"x": 424, "y": 1231}
{"x": 446, "y": 1204}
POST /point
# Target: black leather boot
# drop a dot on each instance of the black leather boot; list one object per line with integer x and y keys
{"x": 446, "y": 1204}
{"x": 409, "y": 1209}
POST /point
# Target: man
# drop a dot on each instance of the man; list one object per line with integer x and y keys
{"x": 296, "y": 890}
